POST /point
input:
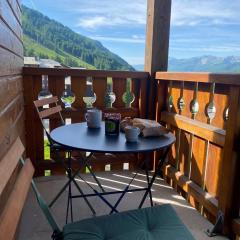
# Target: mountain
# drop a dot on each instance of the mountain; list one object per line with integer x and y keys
{"x": 139, "y": 67}
{"x": 205, "y": 64}
{"x": 48, "y": 38}
{"x": 202, "y": 64}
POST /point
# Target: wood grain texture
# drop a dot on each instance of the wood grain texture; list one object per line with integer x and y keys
{"x": 50, "y": 111}
{"x": 12, "y": 116}
{"x": 157, "y": 35}
{"x": 9, "y": 40}
{"x": 11, "y": 87}
{"x": 10, "y": 63}
{"x": 100, "y": 88}
{"x": 78, "y": 85}
{"x": 203, "y": 130}
{"x": 9, "y": 162}
{"x": 45, "y": 101}
{"x": 84, "y": 73}
{"x": 9, "y": 115}
{"x": 229, "y": 178}
{"x": 11, "y": 214}
{"x": 15, "y": 9}
{"x": 7, "y": 15}
{"x": 119, "y": 88}
{"x": 228, "y": 78}
{"x": 193, "y": 189}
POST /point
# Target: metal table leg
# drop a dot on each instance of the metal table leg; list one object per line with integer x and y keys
{"x": 160, "y": 164}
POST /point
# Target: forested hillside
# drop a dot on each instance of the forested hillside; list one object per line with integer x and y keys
{"x": 47, "y": 38}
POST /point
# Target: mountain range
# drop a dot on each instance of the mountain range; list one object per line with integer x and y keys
{"x": 47, "y": 38}
{"x": 202, "y": 64}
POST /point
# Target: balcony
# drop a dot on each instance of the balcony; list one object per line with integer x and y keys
{"x": 201, "y": 177}
{"x": 200, "y": 108}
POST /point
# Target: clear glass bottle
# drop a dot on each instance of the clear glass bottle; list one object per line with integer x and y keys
{"x": 90, "y": 97}
{"x": 110, "y": 96}
{"x": 68, "y": 97}
{"x": 44, "y": 93}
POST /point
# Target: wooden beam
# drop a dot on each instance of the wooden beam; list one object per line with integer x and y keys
{"x": 221, "y": 78}
{"x": 157, "y": 45}
{"x": 206, "y": 131}
{"x": 157, "y": 36}
{"x": 229, "y": 196}
{"x": 83, "y": 73}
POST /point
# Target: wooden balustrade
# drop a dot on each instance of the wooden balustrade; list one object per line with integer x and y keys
{"x": 203, "y": 110}
{"x": 133, "y": 85}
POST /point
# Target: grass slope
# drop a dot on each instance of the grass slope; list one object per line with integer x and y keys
{"x": 36, "y": 49}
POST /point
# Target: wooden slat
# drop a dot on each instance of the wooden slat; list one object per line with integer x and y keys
{"x": 9, "y": 40}
{"x": 10, "y": 88}
{"x": 45, "y": 101}
{"x": 228, "y": 78}
{"x": 9, "y": 115}
{"x": 84, "y": 73}
{"x": 236, "y": 226}
{"x": 9, "y": 162}
{"x": 79, "y": 88}
{"x": 7, "y": 15}
{"x": 10, "y": 64}
{"x": 205, "y": 199}
{"x": 10, "y": 216}
{"x": 214, "y": 162}
{"x": 15, "y": 9}
{"x": 100, "y": 88}
{"x": 56, "y": 86}
{"x": 203, "y": 130}
{"x": 50, "y": 111}
{"x": 15, "y": 130}
{"x": 119, "y": 88}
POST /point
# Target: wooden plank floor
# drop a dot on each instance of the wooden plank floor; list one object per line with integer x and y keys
{"x": 34, "y": 226}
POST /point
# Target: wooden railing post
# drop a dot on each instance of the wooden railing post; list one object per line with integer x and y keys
{"x": 229, "y": 181}
{"x": 156, "y": 53}
{"x": 157, "y": 44}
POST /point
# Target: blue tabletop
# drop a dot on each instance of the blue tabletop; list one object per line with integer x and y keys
{"x": 78, "y": 136}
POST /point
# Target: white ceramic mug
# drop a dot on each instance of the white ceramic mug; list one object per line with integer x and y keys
{"x": 131, "y": 133}
{"x": 93, "y": 118}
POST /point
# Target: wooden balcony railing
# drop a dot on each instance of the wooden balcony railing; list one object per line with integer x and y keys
{"x": 203, "y": 110}
{"x": 82, "y": 81}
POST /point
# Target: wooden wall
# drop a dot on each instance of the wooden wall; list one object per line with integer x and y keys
{"x": 11, "y": 62}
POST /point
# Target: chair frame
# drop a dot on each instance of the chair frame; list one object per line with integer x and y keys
{"x": 44, "y": 113}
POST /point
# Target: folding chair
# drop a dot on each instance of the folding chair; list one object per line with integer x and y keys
{"x": 54, "y": 108}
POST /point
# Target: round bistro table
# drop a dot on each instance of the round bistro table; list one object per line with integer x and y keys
{"x": 79, "y": 137}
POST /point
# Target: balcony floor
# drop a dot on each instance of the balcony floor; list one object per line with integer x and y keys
{"x": 33, "y": 225}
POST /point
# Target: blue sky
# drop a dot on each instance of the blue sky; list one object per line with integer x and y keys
{"x": 198, "y": 27}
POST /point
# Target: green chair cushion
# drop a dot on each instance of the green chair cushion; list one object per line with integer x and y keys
{"x": 159, "y": 222}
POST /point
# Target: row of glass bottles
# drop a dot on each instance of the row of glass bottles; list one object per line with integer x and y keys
{"x": 68, "y": 97}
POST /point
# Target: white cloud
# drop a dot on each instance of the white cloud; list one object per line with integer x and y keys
{"x": 209, "y": 49}
{"x": 98, "y": 13}
{"x": 133, "y": 39}
{"x": 205, "y": 12}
